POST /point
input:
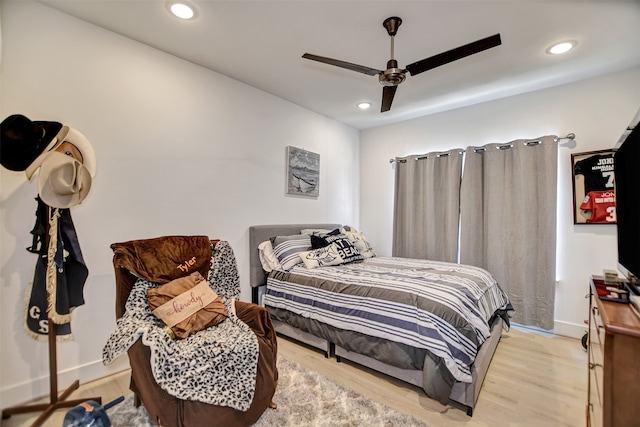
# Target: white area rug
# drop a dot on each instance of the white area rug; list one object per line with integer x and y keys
{"x": 305, "y": 399}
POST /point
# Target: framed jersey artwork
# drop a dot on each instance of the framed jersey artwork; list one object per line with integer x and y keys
{"x": 594, "y": 192}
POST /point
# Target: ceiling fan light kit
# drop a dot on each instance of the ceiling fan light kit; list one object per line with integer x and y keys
{"x": 392, "y": 76}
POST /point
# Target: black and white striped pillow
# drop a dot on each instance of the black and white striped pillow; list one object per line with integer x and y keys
{"x": 288, "y": 251}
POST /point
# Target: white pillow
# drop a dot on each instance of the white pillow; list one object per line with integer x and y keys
{"x": 359, "y": 241}
{"x": 328, "y": 255}
{"x": 268, "y": 258}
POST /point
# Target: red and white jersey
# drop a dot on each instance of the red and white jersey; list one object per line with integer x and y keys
{"x": 602, "y": 205}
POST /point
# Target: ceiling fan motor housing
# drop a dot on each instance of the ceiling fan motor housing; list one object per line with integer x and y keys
{"x": 393, "y": 75}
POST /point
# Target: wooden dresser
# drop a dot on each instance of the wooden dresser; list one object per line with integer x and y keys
{"x": 613, "y": 362}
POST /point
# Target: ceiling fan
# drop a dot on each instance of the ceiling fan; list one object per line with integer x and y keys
{"x": 393, "y": 76}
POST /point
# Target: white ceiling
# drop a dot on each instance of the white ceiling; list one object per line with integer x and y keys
{"x": 261, "y": 43}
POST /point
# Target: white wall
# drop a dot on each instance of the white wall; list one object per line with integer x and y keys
{"x": 596, "y": 110}
{"x": 180, "y": 150}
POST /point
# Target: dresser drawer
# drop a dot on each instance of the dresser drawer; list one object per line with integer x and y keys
{"x": 596, "y": 337}
{"x": 596, "y": 326}
{"x": 596, "y": 373}
{"x": 614, "y": 346}
{"x": 595, "y": 415}
{"x": 596, "y": 382}
{"x": 596, "y": 355}
{"x": 596, "y": 365}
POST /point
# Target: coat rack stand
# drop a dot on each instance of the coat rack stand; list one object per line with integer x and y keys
{"x": 56, "y": 401}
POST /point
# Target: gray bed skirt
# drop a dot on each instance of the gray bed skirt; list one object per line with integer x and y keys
{"x": 465, "y": 394}
{"x": 408, "y": 364}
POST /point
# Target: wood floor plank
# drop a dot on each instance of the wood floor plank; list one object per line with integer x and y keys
{"x": 534, "y": 380}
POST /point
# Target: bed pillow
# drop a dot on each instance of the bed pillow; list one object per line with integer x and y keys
{"x": 287, "y": 249}
{"x": 359, "y": 241}
{"x": 315, "y": 231}
{"x": 318, "y": 242}
{"x": 198, "y": 306}
{"x": 267, "y": 257}
{"x": 347, "y": 250}
{"x": 321, "y": 257}
{"x": 279, "y": 239}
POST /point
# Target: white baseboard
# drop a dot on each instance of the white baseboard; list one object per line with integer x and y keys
{"x": 38, "y": 388}
{"x": 564, "y": 329}
{"x": 570, "y": 330}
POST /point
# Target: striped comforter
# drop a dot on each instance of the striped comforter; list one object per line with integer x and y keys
{"x": 438, "y": 306}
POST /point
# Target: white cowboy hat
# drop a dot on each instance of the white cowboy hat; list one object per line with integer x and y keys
{"x": 71, "y": 135}
{"x": 63, "y": 181}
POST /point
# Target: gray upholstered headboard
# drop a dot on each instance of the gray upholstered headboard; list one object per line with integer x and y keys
{"x": 260, "y": 233}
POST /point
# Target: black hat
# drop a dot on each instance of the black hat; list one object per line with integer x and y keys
{"x": 22, "y": 141}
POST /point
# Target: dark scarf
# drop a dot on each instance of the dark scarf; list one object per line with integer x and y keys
{"x": 54, "y": 306}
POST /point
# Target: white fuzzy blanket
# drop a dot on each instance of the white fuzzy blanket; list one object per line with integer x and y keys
{"x": 217, "y": 365}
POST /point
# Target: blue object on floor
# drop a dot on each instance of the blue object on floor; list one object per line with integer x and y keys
{"x": 89, "y": 414}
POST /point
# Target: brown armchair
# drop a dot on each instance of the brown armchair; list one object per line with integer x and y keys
{"x": 145, "y": 259}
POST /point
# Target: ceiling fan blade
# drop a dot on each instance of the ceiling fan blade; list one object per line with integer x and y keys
{"x": 454, "y": 54}
{"x": 388, "y": 92}
{"x": 348, "y": 65}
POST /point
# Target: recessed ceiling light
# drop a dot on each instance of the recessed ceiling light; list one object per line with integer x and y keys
{"x": 364, "y": 105}
{"x": 182, "y": 10}
{"x": 560, "y": 48}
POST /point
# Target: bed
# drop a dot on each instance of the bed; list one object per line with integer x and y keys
{"x": 416, "y": 345}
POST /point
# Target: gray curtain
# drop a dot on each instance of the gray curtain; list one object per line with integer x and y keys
{"x": 508, "y": 222}
{"x": 427, "y": 206}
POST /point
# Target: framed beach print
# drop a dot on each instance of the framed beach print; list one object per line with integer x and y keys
{"x": 303, "y": 172}
{"x": 594, "y": 198}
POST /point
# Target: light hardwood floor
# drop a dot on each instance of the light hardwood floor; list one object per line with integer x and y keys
{"x": 534, "y": 380}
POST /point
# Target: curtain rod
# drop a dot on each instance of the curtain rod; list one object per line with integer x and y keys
{"x": 568, "y": 137}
